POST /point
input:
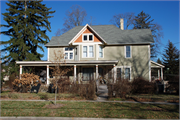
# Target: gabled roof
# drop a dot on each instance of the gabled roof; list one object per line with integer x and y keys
{"x": 157, "y": 64}
{"x": 109, "y": 33}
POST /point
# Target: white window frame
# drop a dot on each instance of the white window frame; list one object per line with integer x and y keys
{"x": 88, "y": 37}
{"x": 130, "y": 51}
{"x": 69, "y": 53}
{"x": 102, "y": 51}
{"x": 125, "y": 71}
{"x": 88, "y": 51}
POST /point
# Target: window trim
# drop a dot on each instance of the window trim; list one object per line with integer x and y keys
{"x": 130, "y": 51}
{"x": 87, "y": 37}
{"x": 102, "y": 51}
{"x": 72, "y": 51}
{"x": 88, "y": 51}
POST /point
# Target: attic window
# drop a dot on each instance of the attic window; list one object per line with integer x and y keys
{"x": 88, "y": 37}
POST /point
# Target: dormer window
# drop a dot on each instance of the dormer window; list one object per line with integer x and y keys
{"x": 88, "y": 37}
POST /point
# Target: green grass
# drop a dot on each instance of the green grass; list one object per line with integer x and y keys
{"x": 151, "y": 97}
{"x": 29, "y": 96}
{"x": 90, "y": 109}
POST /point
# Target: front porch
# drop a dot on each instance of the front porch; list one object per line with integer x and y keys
{"x": 83, "y": 71}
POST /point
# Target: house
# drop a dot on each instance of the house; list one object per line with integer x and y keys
{"x": 101, "y": 51}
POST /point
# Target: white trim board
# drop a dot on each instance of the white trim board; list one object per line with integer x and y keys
{"x": 81, "y": 32}
{"x": 158, "y": 64}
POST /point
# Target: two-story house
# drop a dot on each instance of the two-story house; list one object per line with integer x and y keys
{"x": 102, "y": 51}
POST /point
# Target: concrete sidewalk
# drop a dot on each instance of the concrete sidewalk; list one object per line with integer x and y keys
{"x": 163, "y": 103}
{"x": 57, "y": 118}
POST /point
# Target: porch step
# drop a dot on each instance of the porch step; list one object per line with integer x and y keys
{"x": 102, "y": 93}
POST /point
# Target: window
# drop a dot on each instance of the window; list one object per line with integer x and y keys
{"x": 100, "y": 51}
{"x": 118, "y": 73}
{"x": 84, "y": 51}
{"x": 68, "y": 53}
{"x": 88, "y": 51}
{"x": 87, "y": 74}
{"x": 127, "y": 73}
{"x": 128, "y": 51}
{"x": 91, "y": 51}
{"x": 90, "y": 37}
{"x": 87, "y": 37}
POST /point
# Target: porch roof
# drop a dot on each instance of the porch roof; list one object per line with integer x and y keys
{"x": 156, "y": 65}
{"x": 68, "y": 63}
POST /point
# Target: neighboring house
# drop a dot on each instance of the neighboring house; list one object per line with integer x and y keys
{"x": 101, "y": 51}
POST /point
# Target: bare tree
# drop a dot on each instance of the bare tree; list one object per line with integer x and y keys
{"x": 74, "y": 17}
{"x": 128, "y": 19}
{"x": 58, "y": 70}
{"x": 58, "y": 32}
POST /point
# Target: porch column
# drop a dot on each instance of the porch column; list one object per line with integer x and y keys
{"x": 96, "y": 72}
{"x": 20, "y": 71}
{"x": 74, "y": 73}
{"x": 162, "y": 73}
{"x": 47, "y": 74}
{"x": 158, "y": 74}
{"x": 114, "y": 73}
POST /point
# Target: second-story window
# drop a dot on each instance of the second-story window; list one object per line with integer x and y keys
{"x": 128, "y": 52}
{"x": 87, "y": 37}
{"x": 68, "y": 53}
{"x": 88, "y": 51}
{"x": 100, "y": 51}
{"x": 84, "y": 51}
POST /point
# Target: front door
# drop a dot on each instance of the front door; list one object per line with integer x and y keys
{"x": 87, "y": 74}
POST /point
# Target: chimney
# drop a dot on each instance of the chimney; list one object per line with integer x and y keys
{"x": 122, "y": 23}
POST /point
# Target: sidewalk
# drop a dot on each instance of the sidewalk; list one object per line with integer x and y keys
{"x": 164, "y": 103}
{"x": 57, "y": 118}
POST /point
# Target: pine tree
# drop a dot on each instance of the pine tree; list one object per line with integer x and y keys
{"x": 27, "y": 23}
{"x": 159, "y": 61}
{"x": 171, "y": 59}
{"x": 144, "y": 21}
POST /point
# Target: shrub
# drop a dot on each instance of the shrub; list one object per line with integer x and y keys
{"x": 141, "y": 86}
{"x": 43, "y": 88}
{"x": 84, "y": 90}
{"x": 26, "y": 82}
{"x": 121, "y": 88}
{"x": 174, "y": 84}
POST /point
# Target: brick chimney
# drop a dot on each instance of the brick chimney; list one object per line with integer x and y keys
{"x": 122, "y": 23}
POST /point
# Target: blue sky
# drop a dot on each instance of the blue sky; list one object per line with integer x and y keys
{"x": 165, "y": 13}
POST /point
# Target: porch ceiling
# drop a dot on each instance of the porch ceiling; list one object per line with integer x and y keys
{"x": 68, "y": 63}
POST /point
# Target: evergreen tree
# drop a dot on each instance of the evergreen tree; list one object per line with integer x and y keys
{"x": 144, "y": 21}
{"x": 27, "y": 23}
{"x": 171, "y": 59}
{"x": 159, "y": 61}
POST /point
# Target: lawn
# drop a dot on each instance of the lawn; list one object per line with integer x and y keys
{"x": 149, "y": 98}
{"x": 90, "y": 109}
{"x": 38, "y": 96}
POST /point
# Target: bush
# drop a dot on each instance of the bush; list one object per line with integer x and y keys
{"x": 26, "y": 82}
{"x": 43, "y": 88}
{"x": 84, "y": 90}
{"x": 174, "y": 84}
{"x": 121, "y": 88}
{"x": 142, "y": 86}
